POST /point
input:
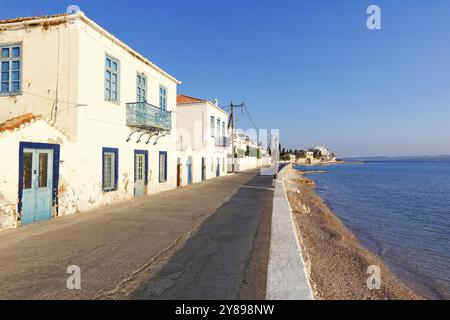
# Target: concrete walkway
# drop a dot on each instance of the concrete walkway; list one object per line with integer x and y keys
{"x": 286, "y": 274}
{"x": 199, "y": 242}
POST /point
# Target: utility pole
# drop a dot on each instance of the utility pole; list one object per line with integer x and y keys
{"x": 242, "y": 106}
{"x": 232, "y": 137}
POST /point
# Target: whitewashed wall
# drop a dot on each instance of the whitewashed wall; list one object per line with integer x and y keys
{"x": 92, "y": 122}
{"x": 49, "y": 65}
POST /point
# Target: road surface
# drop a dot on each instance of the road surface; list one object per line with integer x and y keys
{"x": 205, "y": 241}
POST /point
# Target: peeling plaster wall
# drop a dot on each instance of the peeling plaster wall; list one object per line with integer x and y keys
{"x": 35, "y": 131}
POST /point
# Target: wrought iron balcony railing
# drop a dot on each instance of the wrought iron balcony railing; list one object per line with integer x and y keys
{"x": 223, "y": 142}
{"x": 146, "y": 116}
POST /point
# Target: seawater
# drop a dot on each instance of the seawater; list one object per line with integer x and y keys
{"x": 400, "y": 210}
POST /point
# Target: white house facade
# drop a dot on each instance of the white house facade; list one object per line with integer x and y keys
{"x": 202, "y": 140}
{"x": 86, "y": 120}
{"x": 245, "y": 154}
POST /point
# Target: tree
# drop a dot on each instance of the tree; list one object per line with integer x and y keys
{"x": 283, "y": 151}
{"x": 301, "y": 154}
{"x": 317, "y": 154}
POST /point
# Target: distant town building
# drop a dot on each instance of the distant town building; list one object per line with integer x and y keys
{"x": 316, "y": 155}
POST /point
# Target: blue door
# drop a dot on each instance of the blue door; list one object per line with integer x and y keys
{"x": 218, "y": 168}
{"x": 140, "y": 174}
{"x": 189, "y": 170}
{"x": 37, "y": 185}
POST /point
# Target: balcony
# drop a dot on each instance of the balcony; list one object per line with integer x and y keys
{"x": 223, "y": 142}
{"x": 145, "y": 116}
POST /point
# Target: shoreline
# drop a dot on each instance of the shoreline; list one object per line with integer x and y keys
{"x": 335, "y": 260}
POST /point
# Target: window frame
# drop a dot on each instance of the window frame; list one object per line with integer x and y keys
{"x": 218, "y": 122}
{"x": 118, "y": 72}
{"x": 213, "y": 126}
{"x": 141, "y": 75}
{"x": 162, "y": 179}
{"x": 161, "y": 87}
{"x": 10, "y": 59}
{"x": 115, "y": 151}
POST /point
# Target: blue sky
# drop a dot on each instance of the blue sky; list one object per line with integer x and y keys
{"x": 308, "y": 67}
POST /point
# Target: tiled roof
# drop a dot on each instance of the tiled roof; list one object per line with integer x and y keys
{"x": 183, "y": 99}
{"x": 27, "y": 119}
{"x": 16, "y": 122}
{"x": 21, "y": 19}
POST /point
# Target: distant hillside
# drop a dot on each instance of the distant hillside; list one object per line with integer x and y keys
{"x": 381, "y": 158}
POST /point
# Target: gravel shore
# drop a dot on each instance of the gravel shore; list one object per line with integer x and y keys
{"x": 336, "y": 263}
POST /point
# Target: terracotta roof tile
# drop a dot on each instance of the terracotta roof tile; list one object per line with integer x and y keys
{"x": 183, "y": 99}
{"x": 21, "y": 19}
{"x": 16, "y": 122}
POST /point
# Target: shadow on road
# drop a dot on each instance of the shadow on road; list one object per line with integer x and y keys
{"x": 226, "y": 258}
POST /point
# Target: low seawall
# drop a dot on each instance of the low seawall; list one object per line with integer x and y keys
{"x": 286, "y": 272}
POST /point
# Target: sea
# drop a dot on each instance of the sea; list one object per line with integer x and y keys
{"x": 400, "y": 210}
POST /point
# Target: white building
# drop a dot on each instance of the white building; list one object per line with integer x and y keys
{"x": 202, "y": 140}
{"x": 247, "y": 154}
{"x": 323, "y": 150}
{"x": 92, "y": 120}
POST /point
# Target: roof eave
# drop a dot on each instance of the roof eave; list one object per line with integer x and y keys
{"x": 80, "y": 15}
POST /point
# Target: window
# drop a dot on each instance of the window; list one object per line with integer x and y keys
{"x": 141, "y": 88}
{"x": 112, "y": 69}
{"x": 110, "y": 169}
{"x": 223, "y": 129}
{"x": 162, "y": 166}
{"x": 212, "y": 126}
{"x": 27, "y": 170}
{"x": 163, "y": 98}
{"x": 10, "y": 59}
{"x": 212, "y": 164}
{"x": 43, "y": 170}
{"x": 218, "y": 127}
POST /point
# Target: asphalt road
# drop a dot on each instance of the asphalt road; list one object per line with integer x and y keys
{"x": 205, "y": 241}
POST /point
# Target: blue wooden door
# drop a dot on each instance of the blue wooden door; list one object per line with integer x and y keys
{"x": 37, "y": 185}
{"x": 189, "y": 170}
